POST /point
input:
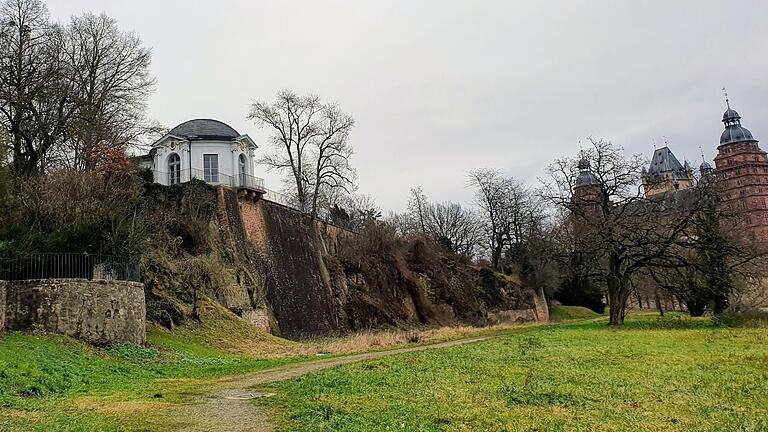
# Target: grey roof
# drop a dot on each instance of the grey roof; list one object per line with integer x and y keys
{"x": 734, "y": 131}
{"x": 585, "y": 177}
{"x": 205, "y": 129}
{"x": 664, "y": 161}
{"x": 730, "y": 114}
{"x": 705, "y": 166}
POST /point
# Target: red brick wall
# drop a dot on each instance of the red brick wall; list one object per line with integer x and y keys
{"x": 742, "y": 172}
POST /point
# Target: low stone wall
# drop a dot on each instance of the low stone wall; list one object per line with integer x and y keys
{"x": 99, "y": 312}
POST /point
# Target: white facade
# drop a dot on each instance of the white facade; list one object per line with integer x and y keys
{"x": 217, "y": 155}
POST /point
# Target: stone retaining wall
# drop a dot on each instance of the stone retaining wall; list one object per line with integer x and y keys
{"x": 98, "y": 311}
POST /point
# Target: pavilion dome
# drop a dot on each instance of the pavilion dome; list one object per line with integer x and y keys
{"x": 205, "y": 129}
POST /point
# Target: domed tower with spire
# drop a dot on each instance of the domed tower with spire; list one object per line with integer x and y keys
{"x": 741, "y": 170}
{"x": 587, "y": 190}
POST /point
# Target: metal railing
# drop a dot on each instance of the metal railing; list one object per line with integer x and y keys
{"x": 210, "y": 177}
{"x": 240, "y": 180}
{"x": 281, "y": 198}
{"x": 63, "y": 265}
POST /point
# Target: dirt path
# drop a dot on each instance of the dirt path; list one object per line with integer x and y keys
{"x": 230, "y": 409}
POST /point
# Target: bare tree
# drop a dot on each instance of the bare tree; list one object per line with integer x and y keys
{"x": 508, "y": 212}
{"x": 32, "y": 110}
{"x": 312, "y": 143}
{"x": 331, "y": 152}
{"x": 65, "y": 91}
{"x": 455, "y": 225}
{"x": 417, "y": 204}
{"x": 355, "y": 211}
{"x": 111, "y": 83}
{"x": 492, "y": 196}
{"x": 618, "y": 232}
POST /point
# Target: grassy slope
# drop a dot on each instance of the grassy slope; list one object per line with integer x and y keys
{"x": 50, "y": 382}
{"x": 656, "y": 375}
{"x": 561, "y": 313}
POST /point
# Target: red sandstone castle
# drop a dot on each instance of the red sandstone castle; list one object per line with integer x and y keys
{"x": 741, "y": 170}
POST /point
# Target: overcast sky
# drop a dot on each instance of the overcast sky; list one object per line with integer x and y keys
{"x": 440, "y": 87}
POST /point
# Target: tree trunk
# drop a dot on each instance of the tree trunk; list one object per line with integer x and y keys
{"x": 657, "y": 300}
{"x": 617, "y": 293}
{"x": 616, "y": 303}
{"x": 696, "y": 308}
{"x": 616, "y": 317}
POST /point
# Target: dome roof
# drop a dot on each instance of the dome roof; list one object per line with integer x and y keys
{"x": 205, "y": 129}
{"x": 730, "y": 113}
{"x": 705, "y": 166}
{"x": 585, "y": 177}
{"x": 735, "y": 133}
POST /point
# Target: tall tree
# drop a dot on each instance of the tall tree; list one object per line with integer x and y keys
{"x": 112, "y": 81}
{"x": 508, "y": 213}
{"x": 66, "y": 90}
{"x": 417, "y": 208}
{"x": 492, "y": 192}
{"x": 617, "y": 228}
{"x": 32, "y": 82}
{"x": 453, "y": 225}
{"x": 312, "y": 143}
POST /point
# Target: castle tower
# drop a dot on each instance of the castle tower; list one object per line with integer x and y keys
{"x": 666, "y": 174}
{"x": 741, "y": 169}
{"x": 587, "y": 191}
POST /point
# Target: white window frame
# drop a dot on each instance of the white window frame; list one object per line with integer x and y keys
{"x": 211, "y": 173}
{"x": 174, "y": 169}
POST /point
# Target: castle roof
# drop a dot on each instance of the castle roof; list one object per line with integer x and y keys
{"x": 734, "y": 132}
{"x": 585, "y": 177}
{"x": 664, "y": 161}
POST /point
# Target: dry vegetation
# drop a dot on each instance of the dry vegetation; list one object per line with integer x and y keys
{"x": 221, "y": 329}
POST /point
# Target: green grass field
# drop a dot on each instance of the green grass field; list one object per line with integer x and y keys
{"x": 672, "y": 374}
{"x": 658, "y": 375}
{"x": 53, "y": 383}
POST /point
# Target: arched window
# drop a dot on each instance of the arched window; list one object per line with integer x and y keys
{"x": 241, "y": 169}
{"x": 174, "y": 169}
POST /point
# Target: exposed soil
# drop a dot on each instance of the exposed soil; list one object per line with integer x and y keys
{"x": 229, "y": 409}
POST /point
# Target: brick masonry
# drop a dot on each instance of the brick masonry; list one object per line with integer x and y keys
{"x": 98, "y": 312}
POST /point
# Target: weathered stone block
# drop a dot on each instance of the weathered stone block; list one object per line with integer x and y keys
{"x": 99, "y": 312}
